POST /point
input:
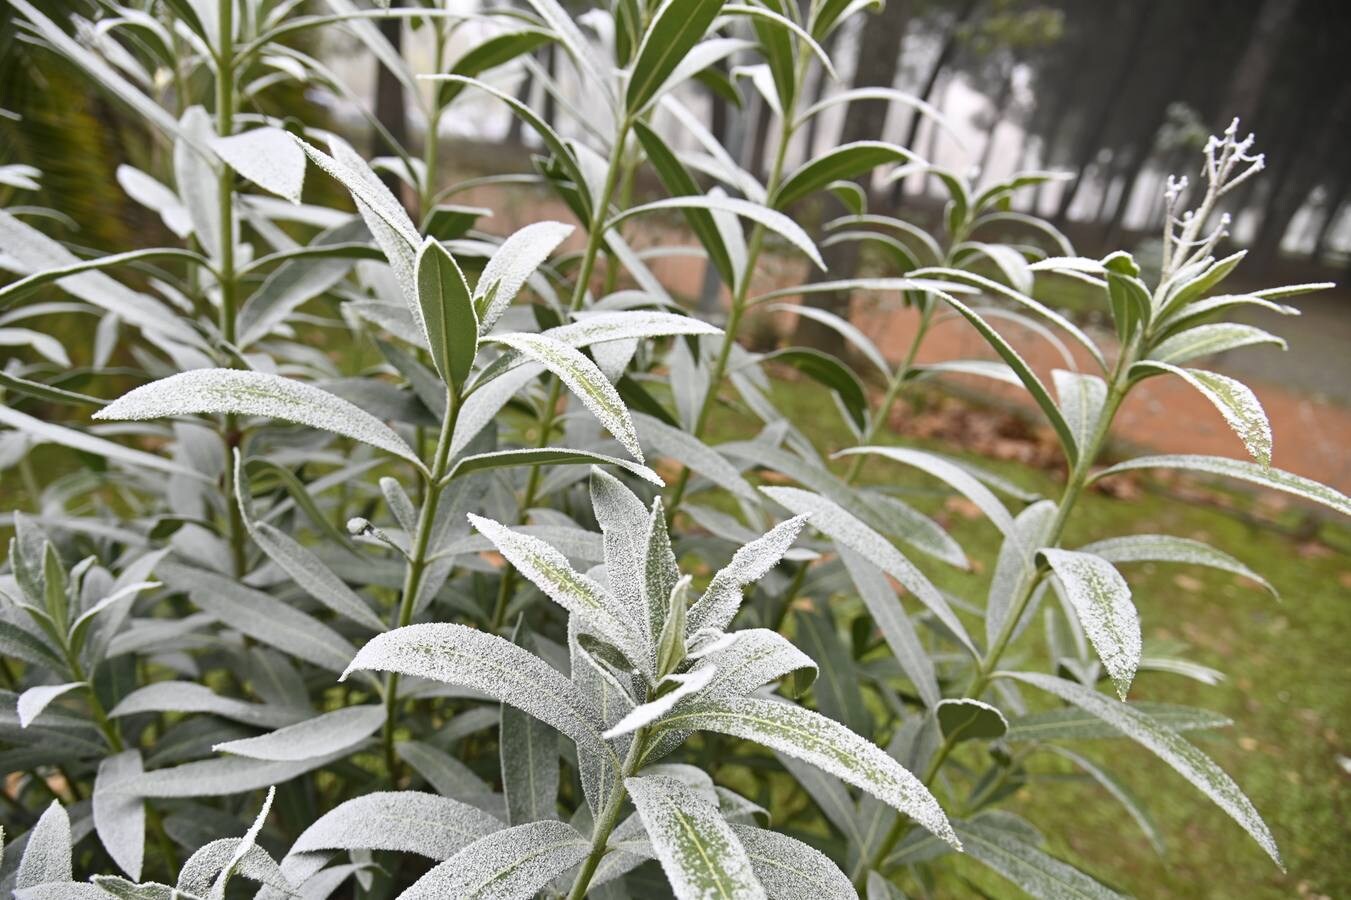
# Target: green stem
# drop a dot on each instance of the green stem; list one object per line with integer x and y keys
{"x": 989, "y": 662}
{"x": 609, "y": 817}
{"x": 417, "y": 570}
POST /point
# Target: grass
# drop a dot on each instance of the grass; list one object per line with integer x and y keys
{"x": 1285, "y": 690}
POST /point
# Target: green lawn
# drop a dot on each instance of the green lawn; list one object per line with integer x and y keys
{"x": 1286, "y": 687}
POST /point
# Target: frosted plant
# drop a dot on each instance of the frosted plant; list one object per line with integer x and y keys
{"x": 185, "y": 622}
{"x": 648, "y": 668}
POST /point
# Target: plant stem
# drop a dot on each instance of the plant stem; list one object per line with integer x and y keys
{"x": 980, "y": 679}
{"x": 417, "y": 569}
{"x": 609, "y": 817}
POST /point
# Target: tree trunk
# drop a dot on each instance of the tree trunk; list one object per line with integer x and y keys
{"x": 879, "y": 56}
{"x": 391, "y": 107}
{"x": 1001, "y": 111}
{"x": 1258, "y": 59}
{"x": 1086, "y": 150}
{"x": 1336, "y": 199}
{"x": 945, "y": 54}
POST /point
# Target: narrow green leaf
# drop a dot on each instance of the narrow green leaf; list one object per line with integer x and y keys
{"x": 846, "y": 161}
{"x": 448, "y": 311}
{"x": 1102, "y": 600}
{"x": 676, "y": 28}
{"x": 1275, "y": 479}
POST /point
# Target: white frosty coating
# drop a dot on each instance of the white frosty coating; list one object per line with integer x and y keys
{"x": 266, "y": 156}
{"x": 618, "y": 325}
{"x": 823, "y": 742}
{"x": 1102, "y": 600}
{"x": 456, "y": 654}
{"x": 1204, "y": 340}
{"x": 647, "y": 713}
{"x": 245, "y": 846}
{"x": 261, "y": 616}
{"x": 216, "y": 777}
{"x": 955, "y": 476}
{"x": 721, "y": 600}
{"x": 123, "y": 593}
{"x": 529, "y": 756}
{"x": 583, "y": 378}
{"x": 34, "y": 700}
{"x": 693, "y": 453}
{"x": 790, "y": 869}
{"x": 1167, "y": 548}
{"x": 757, "y": 657}
{"x": 892, "y": 620}
{"x": 512, "y": 864}
{"x": 1165, "y": 743}
{"x": 194, "y": 879}
{"x": 45, "y": 432}
{"x": 660, "y": 576}
{"x": 1031, "y": 869}
{"x": 1276, "y": 479}
{"x": 255, "y": 394}
{"x": 402, "y": 821}
{"x": 486, "y": 402}
{"x": 191, "y": 697}
{"x": 550, "y": 571}
{"x": 152, "y": 193}
{"x": 1236, "y": 402}
{"x": 511, "y": 265}
{"x": 46, "y": 857}
{"x": 1081, "y": 401}
{"x": 447, "y": 312}
{"x": 761, "y": 215}
{"x": 119, "y": 819}
{"x": 698, "y": 850}
{"x": 325, "y": 734}
{"x": 832, "y": 520}
{"x": 623, "y": 523}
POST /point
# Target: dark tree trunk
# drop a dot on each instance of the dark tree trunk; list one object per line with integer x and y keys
{"x": 391, "y": 107}
{"x": 1259, "y": 58}
{"x": 1336, "y": 199}
{"x": 879, "y": 56}
{"x": 945, "y": 54}
{"x": 1001, "y": 111}
{"x": 1089, "y": 143}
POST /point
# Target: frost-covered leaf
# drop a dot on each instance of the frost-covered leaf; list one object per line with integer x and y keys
{"x": 34, "y": 700}
{"x": 583, "y": 379}
{"x": 1165, "y": 743}
{"x": 529, "y": 755}
{"x": 752, "y": 658}
{"x": 891, "y": 619}
{"x": 788, "y": 869}
{"x": 46, "y": 856}
{"x": 511, "y": 265}
{"x": 701, "y": 855}
{"x": 1082, "y": 397}
{"x": 216, "y": 777}
{"x": 1030, "y": 868}
{"x": 824, "y": 743}
{"x": 689, "y": 451}
{"x": 721, "y": 600}
{"x": 550, "y": 571}
{"x": 1206, "y": 340}
{"x": 255, "y": 394}
{"x": 324, "y": 735}
{"x": 958, "y": 478}
{"x": 447, "y": 311}
{"x": 456, "y": 654}
{"x": 191, "y": 697}
{"x": 832, "y": 520}
{"x": 119, "y": 818}
{"x": 260, "y": 616}
{"x": 511, "y": 864}
{"x": 1167, "y": 548}
{"x": 542, "y": 456}
{"x": 1275, "y": 479}
{"x": 645, "y": 714}
{"x": 1071, "y": 724}
{"x": 402, "y": 821}
{"x": 970, "y": 720}
{"x": 597, "y": 328}
{"x": 776, "y": 222}
{"x": 1234, "y": 400}
{"x": 43, "y": 432}
{"x": 675, "y": 29}
{"x": 1102, "y": 600}
{"x": 268, "y": 157}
